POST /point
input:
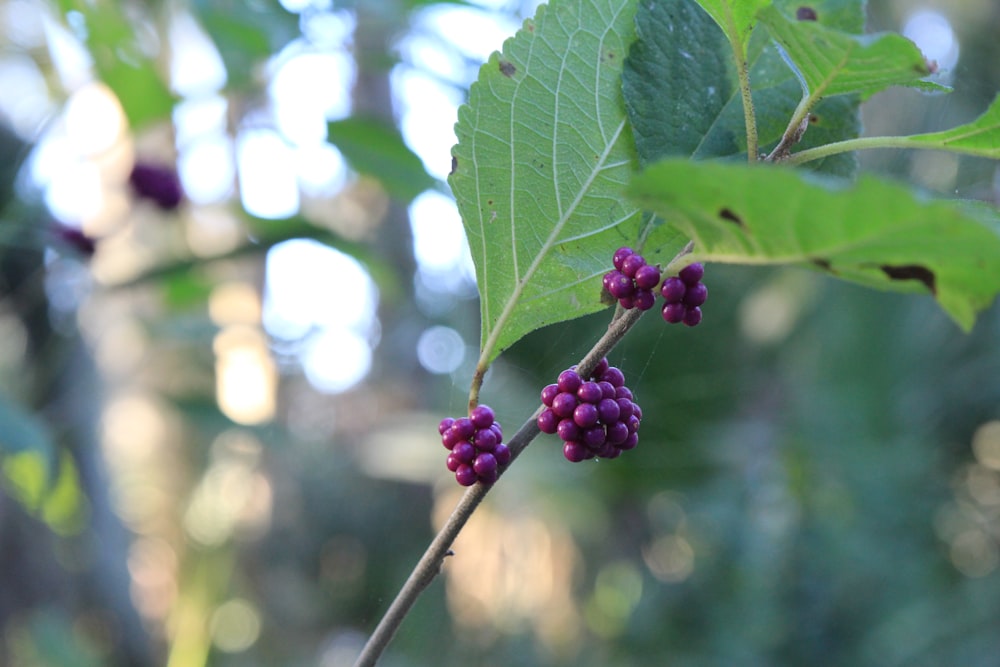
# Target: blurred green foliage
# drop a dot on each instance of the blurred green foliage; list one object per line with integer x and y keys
{"x": 806, "y": 490}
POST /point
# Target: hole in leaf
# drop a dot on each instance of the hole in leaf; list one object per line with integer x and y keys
{"x": 822, "y": 263}
{"x": 727, "y": 214}
{"x": 911, "y": 272}
{"x": 806, "y": 14}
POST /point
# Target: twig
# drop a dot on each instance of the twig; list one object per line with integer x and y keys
{"x": 430, "y": 563}
{"x": 440, "y": 547}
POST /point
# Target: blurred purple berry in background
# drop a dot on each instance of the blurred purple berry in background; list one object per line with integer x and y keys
{"x": 158, "y": 183}
{"x": 73, "y": 238}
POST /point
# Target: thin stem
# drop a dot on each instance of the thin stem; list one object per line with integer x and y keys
{"x": 749, "y": 115}
{"x": 793, "y": 133}
{"x": 849, "y": 145}
{"x": 430, "y": 563}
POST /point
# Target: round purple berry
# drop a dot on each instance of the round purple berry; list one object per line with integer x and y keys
{"x": 464, "y": 428}
{"x": 692, "y": 317}
{"x": 606, "y": 280}
{"x": 632, "y": 264}
{"x": 445, "y": 425}
{"x": 451, "y": 437}
{"x": 452, "y": 462}
{"x": 569, "y": 381}
{"x": 607, "y": 389}
{"x": 692, "y": 274}
{"x": 485, "y": 464}
{"x": 548, "y": 421}
{"x": 490, "y": 478}
{"x": 607, "y": 410}
{"x": 637, "y": 411}
{"x": 644, "y": 299}
{"x": 647, "y": 277}
{"x": 617, "y": 433}
{"x": 594, "y": 436}
{"x": 575, "y": 452}
{"x": 632, "y": 423}
{"x": 585, "y": 415}
{"x": 695, "y": 295}
{"x": 485, "y": 440}
{"x": 626, "y": 408}
{"x": 623, "y": 392}
{"x": 630, "y": 442}
{"x": 614, "y": 376}
{"x": 673, "y": 290}
{"x": 568, "y": 430}
{"x": 502, "y": 454}
{"x": 621, "y": 286}
{"x": 464, "y": 452}
{"x": 465, "y": 475}
{"x": 548, "y": 393}
{"x": 619, "y": 257}
{"x": 564, "y": 404}
{"x": 589, "y": 392}
{"x": 496, "y": 428}
{"x": 674, "y": 312}
{"x": 482, "y": 416}
{"x": 609, "y": 451}
{"x": 628, "y": 302}
{"x": 599, "y": 369}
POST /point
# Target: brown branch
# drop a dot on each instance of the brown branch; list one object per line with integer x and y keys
{"x": 440, "y": 547}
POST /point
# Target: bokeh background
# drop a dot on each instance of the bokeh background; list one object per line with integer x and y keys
{"x": 235, "y": 300}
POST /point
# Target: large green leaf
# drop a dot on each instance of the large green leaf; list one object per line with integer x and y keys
{"x": 544, "y": 153}
{"x": 121, "y": 60}
{"x": 374, "y": 148}
{"x": 833, "y": 62}
{"x": 876, "y": 233}
{"x": 682, "y": 95}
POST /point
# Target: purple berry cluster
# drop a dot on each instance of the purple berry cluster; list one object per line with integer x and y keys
{"x": 594, "y": 416}
{"x": 684, "y": 294}
{"x": 476, "y": 446}
{"x": 160, "y": 184}
{"x": 633, "y": 281}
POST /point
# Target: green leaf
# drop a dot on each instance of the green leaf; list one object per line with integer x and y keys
{"x": 22, "y": 431}
{"x": 875, "y": 233}
{"x": 27, "y": 452}
{"x": 737, "y": 18}
{"x": 246, "y": 34}
{"x": 980, "y": 137}
{"x": 377, "y": 149}
{"x": 833, "y": 62}
{"x": 120, "y": 60}
{"x": 678, "y": 80}
{"x": 544, "y": 153}
{"x": 682, "y": 95}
